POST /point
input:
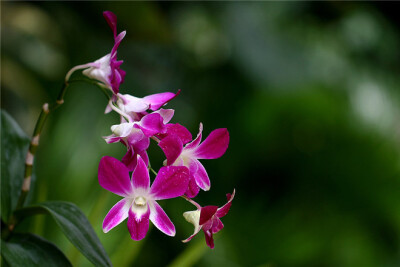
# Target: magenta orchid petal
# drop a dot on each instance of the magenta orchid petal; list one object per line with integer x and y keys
{"x": 217, "y": 225}
{"x": 171, "y": 181}
{"x": 112, "y": 139}
{"x": 201, "y": 176}
{"x": 114, "y": 176}
{"x": 195, "y": 143}
{"x": 151, "y": 124}
{"x": 140, "y": 176}
{"x": 137, "y": 140}
{"x": 192, "y": 189}
{"x": 111, "y": 19}
{"x": 209, "y": 239}
{"x": 180, "y": 131}
{"x": 172, "y": 147}
{"x": 145, "y": 157}
{"x": 166, "y": 114}
{"x": 160, "y": 219}
{"x": 158, "y": 100}
{"x": 117, "y": 42}
{"x": 130, "y": 159}
{"x": 206, "y": 213}
{"x": 214, "y": 146}
{"x": 221, "y": 212}
{"x": 117, "y": 214}
{"x": 138, "y": 224}
{"x": 193, "y": 167}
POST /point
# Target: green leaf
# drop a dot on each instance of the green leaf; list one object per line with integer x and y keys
{"x": 75, "y": 226}
{"x": 14, "y": 145}
{"x": 32, "y": 250}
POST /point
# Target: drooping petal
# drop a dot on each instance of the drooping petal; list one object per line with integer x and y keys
{"x": 214, "y": 146}
{"x": 117, "y": 214}
{"x": 138, "y": 224}
{"x": 221, "y": 212}
{"x": 140, "y": 176}
{"x": 196, "y": 141}
{"x": 172, "y": 147}
{"x": 192, "y": 189}
{"x": 171, "y": 181}
{"x": 209, "y": 239}
{"x": 114, "y": 176}
{"x": 206, "y": 213}
{"x": 158, "y": 100}
{"x": 217, "y": 225}
{"x": 160, "y": 219}
{"x": 201, "y": 176}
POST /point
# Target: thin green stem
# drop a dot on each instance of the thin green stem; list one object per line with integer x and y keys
{"x": 153, "y": 171}
{"x": 46, "y": 109}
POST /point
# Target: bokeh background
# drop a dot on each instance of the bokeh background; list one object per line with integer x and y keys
{"x": 309, "y": 92}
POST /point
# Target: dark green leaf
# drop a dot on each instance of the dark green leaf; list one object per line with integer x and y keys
{"x": 14, "y": 145}
{"x": 32, "y": 250}
{"x": 75, "y": 227}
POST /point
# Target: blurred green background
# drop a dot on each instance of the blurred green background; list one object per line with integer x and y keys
{"x": 309, "y": 92}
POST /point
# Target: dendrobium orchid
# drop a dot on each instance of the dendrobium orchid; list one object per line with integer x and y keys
{"x": 139, "y": 203}
{"x": 207, "y": 219}
{"x": 136, "y": 107}
{"x": 140, "y": 120}
{"x": 106, "y": 69}
{"x": 136, "y": 135}
{"x": 214, "y": 146}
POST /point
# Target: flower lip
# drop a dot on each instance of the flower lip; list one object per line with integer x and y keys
{"x": 140, "y": 201}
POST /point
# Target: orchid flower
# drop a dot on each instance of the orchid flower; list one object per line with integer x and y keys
{"x": 135, "y": 107}
{"x": 139, "y": 203}
{"x": 214, "y": 146}
{"x": 106, "y": 69}
{"x": 207, "y": 219}
{"x": 136, "y": 135}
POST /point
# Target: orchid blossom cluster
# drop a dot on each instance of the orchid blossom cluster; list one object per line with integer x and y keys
{"x": 182, "y": 174}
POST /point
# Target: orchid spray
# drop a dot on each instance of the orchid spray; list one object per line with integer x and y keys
{"x": 142, "y": 121}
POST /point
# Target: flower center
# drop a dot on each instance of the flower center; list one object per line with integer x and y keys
{"x": 140, "y": 201}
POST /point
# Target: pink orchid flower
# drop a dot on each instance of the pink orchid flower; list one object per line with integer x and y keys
{"x": 207, "y": 219}
{"x": 135, "y": 107}
{"x": 214, "y": 146}
{"x": 139, "y": 203}
{"x": 106, "y": 69}
{"x": 136, "y": 135}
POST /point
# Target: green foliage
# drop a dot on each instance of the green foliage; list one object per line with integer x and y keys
{"x": 32, "y": 250}
{"x": 75, "y": 226}
{"x": 14, "y": 145}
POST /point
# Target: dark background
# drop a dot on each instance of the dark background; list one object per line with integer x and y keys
{"x": 309, "y": 92}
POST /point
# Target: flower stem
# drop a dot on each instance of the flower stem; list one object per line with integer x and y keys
{"x": 46, "y": 109}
